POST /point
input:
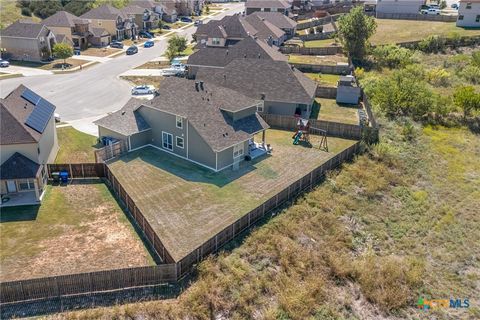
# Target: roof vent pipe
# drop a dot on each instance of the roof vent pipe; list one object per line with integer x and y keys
{"x": 201, "y": 85}
{"x": 196, "y": 85}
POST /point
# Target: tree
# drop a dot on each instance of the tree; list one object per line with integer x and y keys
{"x": 207, "y": 9}
{"x": 467, "y": 99}
{"x": 176, "y": 45}
{"x": 443, "y": 4}
{"x": 62, "y": 51}
{"x": 355, "y": 29}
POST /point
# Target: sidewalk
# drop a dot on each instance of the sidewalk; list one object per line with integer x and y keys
{"x": 25, "y": 71}
{"x": 142, "y": 73}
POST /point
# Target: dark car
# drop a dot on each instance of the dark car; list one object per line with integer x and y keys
{"x": 132, "y": 50}
{"x": 149, "y": 44}
{"x": 145, "y": 34}
{"x": 116, "y": 44}
{"x": 186, "y": 19}
{"x": 165, "y": 27}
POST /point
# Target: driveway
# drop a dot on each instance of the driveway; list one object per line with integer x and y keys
{"x": 27, "y": 72}
{"x": 98, "y": 89}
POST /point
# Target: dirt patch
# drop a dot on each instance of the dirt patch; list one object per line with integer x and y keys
{"x": 100, "y": 52}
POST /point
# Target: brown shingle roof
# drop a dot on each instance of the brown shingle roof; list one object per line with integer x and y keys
{"x": 63, "y": 19}
{"x": 267, "y": 4}
{"x": 104, "y": 12}
{"x": 276, "y": 18}
{"x": 24, "y": 29}
{"x": 254, "y": 77}
{"x": 126, "y": 121}
{"x": 18, "y": 167}
{"x": 264, "y": 28}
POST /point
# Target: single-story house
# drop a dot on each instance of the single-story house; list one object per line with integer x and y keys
{"x": 248, "y": 48}
{"x": 70, "y": 26}
{"x": 469, "y": 14}
{"x": 399, "y": 6}
{"x": 281, "y": 6}
{"x": 284, "y": 89}
{"x": 27, "y": 41}
{"x": 209, "y": 125}
{"x": 28, "y": 140}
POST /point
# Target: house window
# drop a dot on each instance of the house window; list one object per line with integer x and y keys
{"x": 238, "y": 150}
{"x": 167, "y": 141}
{"x": 179, "y": 122}
{"x": 478, "y": 18}
{"x": 260, "y": 108}
{"x": 469, "y": 5}
{"x": 179, "y": 142}
{"x": 460, "y": 17}
{"x": 216, "y": 41}
{"x": 26, "y": 185}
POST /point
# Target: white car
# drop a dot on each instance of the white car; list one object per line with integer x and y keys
{"x": 431, "y": 11}
{"x": 57, "y": 117}
{"x": 4, "y": 63}
{"x": 143, "y": 89}
{"x": 174, "y": 70}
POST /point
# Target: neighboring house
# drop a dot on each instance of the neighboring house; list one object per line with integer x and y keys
{"x": 169, "y": 12}
{"x": 285, "y": 90}
{"x": 281, "y": 6}
{"x": 119, "y": 25}
{"x": 66, "y": 25}
{"x": 347, "y": 90}
{"x": 27, "y": 41}
{"x": 145, "y": 19}
{"x": 204, "y": 123}
{"x": 469, "y": 14}
{"x": 248, "y": 48}
{"x": 99, "y": 37}
{"x": 280, "y": 21}
{"x": 231, "y": 29}
{"x": 28, "y": 140}
{"x": 399, "y": 6}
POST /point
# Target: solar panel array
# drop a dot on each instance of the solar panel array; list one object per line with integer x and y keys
{"x": 41, "y": 113}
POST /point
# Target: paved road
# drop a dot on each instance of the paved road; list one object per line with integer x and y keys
{"x": 98, "y": 89}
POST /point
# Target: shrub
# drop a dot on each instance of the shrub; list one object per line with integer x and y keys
{"x": 476, "y": 58}
{"x": 467, "y": 99}
{"x": 392, "y": 56}
{"x": 438, "y": 77}
{"x": 408, "y": 131}
{"x": 432, "y": 44}
{"x": 471, "y": 74}
{"x": 26, "y": 12}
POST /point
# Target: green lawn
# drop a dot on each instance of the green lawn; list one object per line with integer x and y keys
{"x": 77, "y": 228}
{"x": 330, "y": 110}
{"x": 320, "y": 43}
{"x": 395, "y": 31}
{"x": 187, "y": 204}
{"x": 322, "y": 60}
{"x": 9, "y": 13}
{"x": 324, "y": 79}
{"x": 187, "y": 51}
{"x": 75, "y": 146}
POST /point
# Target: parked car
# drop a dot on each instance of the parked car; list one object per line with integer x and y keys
{"x": 174, "y": 70}
{"x": 197, "y": 23}
{"x": 431, "y": 11}
{"x": 116, "y": 44}
{"x": 148, "y": 44}
{"x": 57, "y": 117}
{"x": 145, "y": 34}
{"x": 186, "y": 19}
{"x": 454, "y": 6}
{"x": 143, "y": 89}
{"x": 132, "y": 50}
{"x": 4, "y": 63}
{"x": 165, "y": 27}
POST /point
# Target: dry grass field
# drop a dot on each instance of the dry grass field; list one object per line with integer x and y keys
{"x": 330, "y": 60}
{"x": 187, "y": 204}
{"x": 78, "y": 228}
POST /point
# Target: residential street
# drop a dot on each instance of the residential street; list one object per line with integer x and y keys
{"x": 96, "y": 90}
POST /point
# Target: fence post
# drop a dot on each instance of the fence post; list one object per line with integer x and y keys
{"x": 216, "y": 241}
{"x": 83, "y": 172}
{"x": 71, "y": 172}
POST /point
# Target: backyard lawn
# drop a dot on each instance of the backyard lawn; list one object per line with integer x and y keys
{"x": 187, "y": 204}
{"x": 75, "y": 146}
{"x": 395, "y": 31}
{"x": 323, "y": 60}
{"x": 330, "y": 110}
{"x": 324, "y": 79}
{"x": 100, "y": 52}
{"x": 320, "y": 43}
{"x": 78, "y": 228}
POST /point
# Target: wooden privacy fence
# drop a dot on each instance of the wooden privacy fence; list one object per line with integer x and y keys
{"x": 317, "y": 36}
{"x": 111, "y": 151}
{"x": 84, "y": 283}
{"x": 78, "y": 170}
{"x": 336, "y": 129}
{"x": 326, "y": 92}
{"x": 289, "y": 193}
{"x": 323, "y": 68}
{"x": 415, "y": 16}
{"x": 321, "y": 51}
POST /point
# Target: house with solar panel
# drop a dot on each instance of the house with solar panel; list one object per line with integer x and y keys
{"x": 28, "y": 140}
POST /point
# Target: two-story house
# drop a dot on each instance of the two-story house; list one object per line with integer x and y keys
{"x": 279, "y": 20}
{"x": 399, "y": 6}
{"x": 118, "y": 24}
{"x": 469, "y": 14}
{"x": 66, "y": 24}
{"x": 209, "y": 125}
{"x": 281, "y": 6}
{"x": 28, "y": 140}
{"x": 27, "y": 41}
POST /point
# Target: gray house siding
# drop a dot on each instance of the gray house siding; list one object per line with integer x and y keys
{"x": 198, "y": 149}
{"x": 349, "y": 95}
{"x": 104, "y": 132}
{"x": 140, "y": 139}
{"x": 281, "y": 108}
{"x": 164, "y": 122}
{"x": 225, "y": 157}
{"x": 243, "y": 113}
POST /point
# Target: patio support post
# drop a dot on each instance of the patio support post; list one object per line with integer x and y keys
{"x": 263, "y": 137}
{"x": 37, "y": 194}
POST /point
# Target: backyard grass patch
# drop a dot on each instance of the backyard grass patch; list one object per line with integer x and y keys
{"x": 330, "y": 60}
{"x": 324, "y": 79}
{"x": 396, "y": 31}
{"x": 330, "y": 110}
{"x": 320, "y": 43}
{"x": 77, "y": 228}
{"x": 187, "y": 204}
{"x": 75, "y": 146}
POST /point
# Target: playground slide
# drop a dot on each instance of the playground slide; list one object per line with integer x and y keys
{"x": 296, "y": 137}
